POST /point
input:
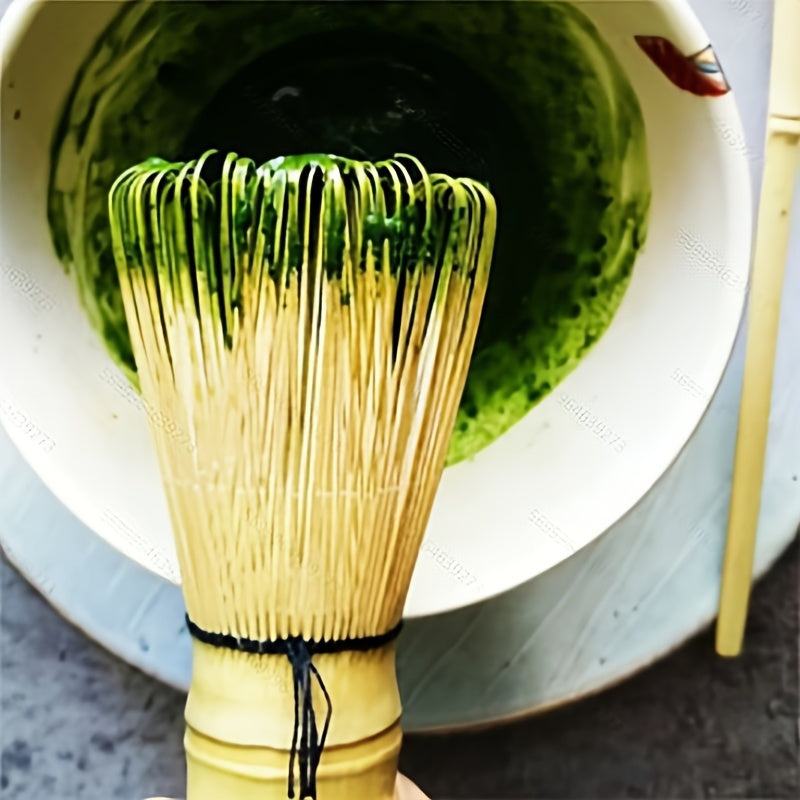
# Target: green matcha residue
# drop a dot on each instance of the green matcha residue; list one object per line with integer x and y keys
{"x": 275, "y": 219}
{"x": 525, "y": 97}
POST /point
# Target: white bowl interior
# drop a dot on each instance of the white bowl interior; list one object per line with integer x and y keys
{"x": 554, "y": 482}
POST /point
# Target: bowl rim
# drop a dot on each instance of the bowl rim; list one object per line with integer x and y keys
{"x": 682, "y": 20}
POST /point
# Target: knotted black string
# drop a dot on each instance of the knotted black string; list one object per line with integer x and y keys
{"x": 307, "y": 743}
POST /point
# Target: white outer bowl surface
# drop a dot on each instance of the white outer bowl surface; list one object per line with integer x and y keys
{"x": 546, "y": 488}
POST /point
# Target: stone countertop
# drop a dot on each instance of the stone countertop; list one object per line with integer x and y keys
{"x": 78, "y": 724}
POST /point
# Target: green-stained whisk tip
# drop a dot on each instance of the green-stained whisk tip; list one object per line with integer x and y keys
{"x": 205, "y": 230}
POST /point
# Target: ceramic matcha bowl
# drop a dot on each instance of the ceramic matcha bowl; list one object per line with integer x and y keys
{"x": 605, "y": 130}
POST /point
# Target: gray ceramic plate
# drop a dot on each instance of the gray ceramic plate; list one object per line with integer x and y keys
{"x": 617, "y": 605}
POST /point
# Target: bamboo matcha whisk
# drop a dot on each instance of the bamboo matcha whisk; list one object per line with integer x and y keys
{"x": 308, "y": 324}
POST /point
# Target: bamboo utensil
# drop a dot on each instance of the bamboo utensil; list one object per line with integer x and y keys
{"x": 782, "y": 151}
{"x": 307, "y": 326}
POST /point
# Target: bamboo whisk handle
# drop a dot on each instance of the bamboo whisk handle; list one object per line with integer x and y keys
{"x": 240, "y": 716}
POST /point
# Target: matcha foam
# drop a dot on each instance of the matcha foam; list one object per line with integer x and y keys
{"x": 525, "y": 97}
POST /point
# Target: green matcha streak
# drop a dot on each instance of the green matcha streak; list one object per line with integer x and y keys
{"x": 232, "y": 209}
{"x": 523, "y": 96}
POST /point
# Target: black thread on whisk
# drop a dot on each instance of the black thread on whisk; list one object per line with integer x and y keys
{"x": 307, "y": 742}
